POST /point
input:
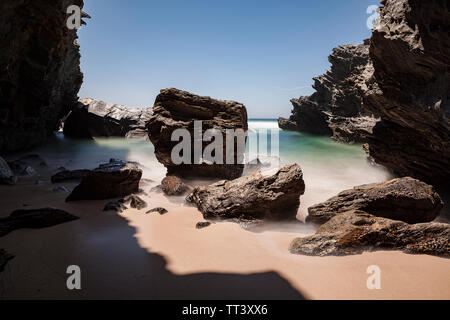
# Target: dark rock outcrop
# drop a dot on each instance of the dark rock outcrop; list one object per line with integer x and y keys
{"x": 404, "y": 199}
{"x": 273, "y": 194}
{"x": 113, "y": 180}
{"x": 6, "y": 174}
{"x": 203, "y": 225}
{"x": 115, "y": 206}
{"x": 161, "y": 211}
{"x": 26, "y": 165}
{"x": 34, "y": 219}
{"x": 176, "y": 109}
{"x": 135, "y": 202}
{"x": 70, "y": 175}
{"x": 354, "y": 232}
{"x": 95, "y": 118}
{"x": 410, "y": 89}
{"x": 287, "y": 124}
{"x": 39, "y": 70}
{"x": 335, "y": 109}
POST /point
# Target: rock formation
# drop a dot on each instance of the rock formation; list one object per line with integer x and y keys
{"x": 113, "y": 180}
{"x": 176, "y": 109}
{"x": 6, "y": 174}
{"x": 70, "y": 175}
{"x": 39, "y": 70}
{"x": 95, "y": 118}
{"x": 272, "y": 194}
{"x": 34, "y": 219}
{"x": 335, "y": 109}
{"x": 354, "y": 232}
{"x": 173, "y": 186}
{"x": 410, "y": 89}
{"x": 404, "y": 199}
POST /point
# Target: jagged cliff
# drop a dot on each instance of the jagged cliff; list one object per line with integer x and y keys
{"x": 335, "y": 109}
{"x": 410, "y": 87}
{"x": 39, "y": 70}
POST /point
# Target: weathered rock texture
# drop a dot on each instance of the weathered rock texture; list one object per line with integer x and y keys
{"x": 173, "y": 186}
{"x": 335, "y": 109}
{"x": 34, "y": 219}
{"x": 354, "y": 232}
{"x": 39, "y": 70}
{"x": 176, "y": 109}
{"x": 410, "y": 89}
{"x": 273, "y": 194}
{"x": 404, "y": 199}
{"x": 95, "y": 118}
{"x": 113, "y": 180}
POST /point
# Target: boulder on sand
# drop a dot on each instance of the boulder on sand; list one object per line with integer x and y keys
{"x": 175, "y": 109}
{"x": 354, "y": 232}
{"x": 34, "y": 219}
{"x": 273, "y": 194}
{"x": 404, "y": 199}
{"x": 113, "y": 180}
{"x": 173, "y": 186}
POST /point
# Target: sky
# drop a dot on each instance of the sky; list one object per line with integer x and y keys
{"x": 261, "y": 53}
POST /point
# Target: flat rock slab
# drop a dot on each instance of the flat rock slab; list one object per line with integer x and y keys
{"x": 354, "y": 232}
{"x": 404, "y": 199}
{"x": 273, "y": 194}
{"x": 34, "y": 219}
{"x": 113, "y": 180}
{"x": 176, "y": 109}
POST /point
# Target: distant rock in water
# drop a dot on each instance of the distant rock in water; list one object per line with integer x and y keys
{"x": 287, "y": 124}
{"x": 39, "y": 70}
{"x": 409, "y": 88}
{"x": 404, "y": 199}
{"x": 273, "y": 194}
{"x": 354, "y": 232}
{"x": 95, "y": 118}
{"x": 113, "y": 180}
{"x": 335, "y": 109}
{"x": 34, "y": 219}
{"x": 176, "y": 109}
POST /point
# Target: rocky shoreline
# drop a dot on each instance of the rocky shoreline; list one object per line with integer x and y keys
{"x": 400, "y": 76}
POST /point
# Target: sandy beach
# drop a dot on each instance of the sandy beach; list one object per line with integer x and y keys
{"x": 133, "y": 255}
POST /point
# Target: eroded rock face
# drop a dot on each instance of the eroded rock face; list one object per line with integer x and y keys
{"x": 404, "y": 199}
{"x": 272, "y": 194}
{"x": 39, "y": 70}
{"x": 335, "y": 109}
{"x": 96, "y": 118}
{"x": 410, "y": 88}
{"x": 287, "y": 124}
{"x": 113, "y": 180}
{"x": 354, "y": 232}
{"x": 176, "y": 109}
{"x": 34, "y": 219}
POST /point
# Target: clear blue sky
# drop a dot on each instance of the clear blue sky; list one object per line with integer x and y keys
{"x": 261, "y": 53}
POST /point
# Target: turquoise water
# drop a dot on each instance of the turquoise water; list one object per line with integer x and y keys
{"x": 329, "y": 167}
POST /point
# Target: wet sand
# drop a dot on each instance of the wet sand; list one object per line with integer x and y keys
{"x": 133, "y": 255}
